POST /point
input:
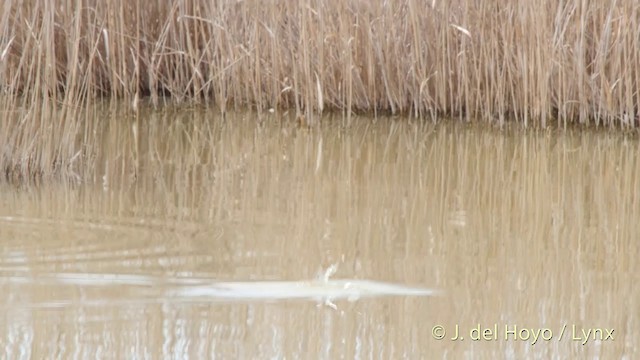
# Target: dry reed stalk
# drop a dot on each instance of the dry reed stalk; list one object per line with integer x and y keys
{"x": 555, "y": 62}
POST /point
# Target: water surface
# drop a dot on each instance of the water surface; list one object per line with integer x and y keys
{"x": 193, "y": 236}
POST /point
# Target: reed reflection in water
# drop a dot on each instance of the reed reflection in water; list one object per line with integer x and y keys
{"x": 518, "y": 230}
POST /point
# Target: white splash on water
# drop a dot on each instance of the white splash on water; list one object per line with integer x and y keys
{"x": 323, "y": 289}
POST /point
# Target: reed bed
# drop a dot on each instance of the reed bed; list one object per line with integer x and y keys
{"x": 535, "y": 63}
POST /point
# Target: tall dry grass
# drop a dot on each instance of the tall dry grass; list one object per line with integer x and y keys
{"x": 536, "y": 63}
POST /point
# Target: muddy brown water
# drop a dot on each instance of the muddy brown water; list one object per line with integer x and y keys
{"x": 190, "y": 236}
